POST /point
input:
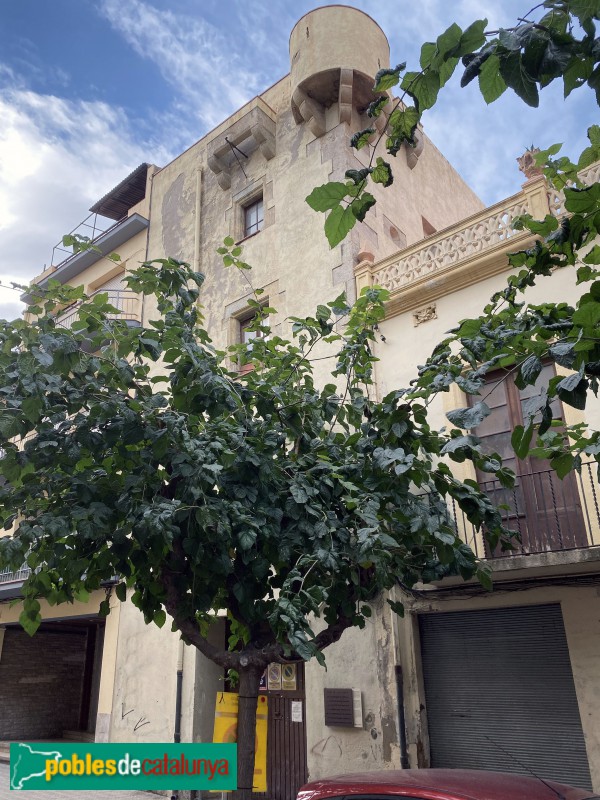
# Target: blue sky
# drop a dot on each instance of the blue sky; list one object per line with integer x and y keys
{"x": 91, "y": 88}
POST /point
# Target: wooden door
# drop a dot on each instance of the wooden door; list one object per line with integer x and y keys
{"x": 542, "y": 508}
{"x": 286, "y": 737}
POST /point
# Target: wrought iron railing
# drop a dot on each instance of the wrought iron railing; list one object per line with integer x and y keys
{"x": 126, "y": 303}
{"x": 547, "y": 514}
{"x": 92, "y": 228}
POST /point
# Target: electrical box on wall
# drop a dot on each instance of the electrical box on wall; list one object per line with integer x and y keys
{"x": 343, "y": 708}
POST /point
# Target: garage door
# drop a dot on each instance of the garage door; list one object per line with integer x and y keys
{"x": 500, "y": 695}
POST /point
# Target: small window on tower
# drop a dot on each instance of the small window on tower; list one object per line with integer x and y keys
{"x": 253, "y": 217}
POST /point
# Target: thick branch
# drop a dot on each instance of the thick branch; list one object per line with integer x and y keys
{"x": 189, "y": 627}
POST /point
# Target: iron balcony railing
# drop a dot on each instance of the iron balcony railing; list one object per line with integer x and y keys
{"x": 547, "y": 514}
{"x": 92, "y": 227}
{"x": 125, "y": 301}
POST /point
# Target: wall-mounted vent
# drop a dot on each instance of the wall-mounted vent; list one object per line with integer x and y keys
{"x": 339, "y": 708}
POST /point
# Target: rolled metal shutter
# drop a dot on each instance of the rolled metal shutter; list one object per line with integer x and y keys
{"x": 499, "y": 693}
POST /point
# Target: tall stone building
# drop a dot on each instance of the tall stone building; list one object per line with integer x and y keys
{"x": 504, "y": 680}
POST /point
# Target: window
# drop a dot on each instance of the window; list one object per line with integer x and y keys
{"x": 543, "y": 509}
{"x": 247, "y": 338}
{"x": 253, "y": 217}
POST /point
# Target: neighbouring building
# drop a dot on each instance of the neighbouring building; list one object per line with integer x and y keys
{"x": 503, "y": 680}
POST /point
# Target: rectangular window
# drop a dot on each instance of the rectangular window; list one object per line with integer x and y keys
{"x": 543, "y": 509}
{"x": 253, "y": 217}
{"x": 247, "y": 338}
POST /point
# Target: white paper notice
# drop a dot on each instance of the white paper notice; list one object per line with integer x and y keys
{"x": 296, "y": 710}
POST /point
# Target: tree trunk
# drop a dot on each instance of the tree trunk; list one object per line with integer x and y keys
{"x": 246, "y": 731}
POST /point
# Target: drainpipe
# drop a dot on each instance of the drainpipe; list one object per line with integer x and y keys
{"x": 178, "y": 694}
{"x": 404, "y": 762}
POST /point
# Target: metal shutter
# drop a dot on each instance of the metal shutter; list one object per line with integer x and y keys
{"x": 499, "y": 693}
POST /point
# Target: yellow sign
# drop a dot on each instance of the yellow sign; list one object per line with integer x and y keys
{"x": 226, "y": 719}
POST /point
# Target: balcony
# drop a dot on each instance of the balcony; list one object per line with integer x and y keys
{"x": 11, "y": 582}
{"x": 464, "y": 253}
{"x": 104, "y": 243}
{"x": 549, "y": 515}
{"x": 128, "y": 307}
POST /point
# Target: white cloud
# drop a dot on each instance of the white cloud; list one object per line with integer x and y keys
{"x": 200, "y": 61}
{"x": 57, "y": 157}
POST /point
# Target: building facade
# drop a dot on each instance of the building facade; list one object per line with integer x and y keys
{"x": 504, "y": 680}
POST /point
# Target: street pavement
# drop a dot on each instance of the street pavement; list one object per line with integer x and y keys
{"x": 7, "y": 794}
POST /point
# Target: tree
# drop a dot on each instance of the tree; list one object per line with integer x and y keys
{"x": 136, "y": 453}
{"x": 510, "y": 333}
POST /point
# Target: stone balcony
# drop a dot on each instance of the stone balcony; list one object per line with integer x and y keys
{"x": 471, "y": 250}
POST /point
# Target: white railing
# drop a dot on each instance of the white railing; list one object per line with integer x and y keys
{"x": 474, "y": 235}
{"x": 6, "y": 576}
{"x": 556, "y": 198}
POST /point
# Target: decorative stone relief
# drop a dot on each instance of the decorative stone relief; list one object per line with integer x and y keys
{"x": 443, "y": 251}
{"x": 307, "y": 110}
{"x": 424, "y": 315}
{"x": 527, "y": 163}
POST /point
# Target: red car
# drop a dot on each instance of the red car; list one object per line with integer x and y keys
{"x": 440, "y": 784}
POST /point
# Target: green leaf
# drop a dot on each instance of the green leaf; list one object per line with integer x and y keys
{"x": 327, "y": 196}
{"x": 360, "y": 205}
{"x": 588, "y": 316}
{"x": 516, "y": 76}
{"x": 491, "y": 83}
{"x": 484, "y": 576}
{"x": 423, "y": 87}
{"x": 121, "y": 591}
{"x": 338, "y": 224}
{"x": 593, "y": 257}
{"x": 585, "y": 9}
{"x": 376, "y": 106}
{"x": 382, "y": 173}
{"x": 247, "y": 539}
{"x": 428, "y": 51}
{"x": 472, "y": 38}
{"x": 562, "y": 464}
{"x": 386, "y": 78}
{"x": 402, "y": 125}
{"x": 447, "y": 44}
{"x": 583, "y": 201}
{"x": 572, "y": 390}
{"x": 160, "y": 618}
{"x": 521, "y": 439}
{"x": 529, "y": 372}
{"x": 361, "y": 138}
{"x": 357, "y": 176}
{"x": 577, "y": 73}
{"x": 30, "y": 623}
{"x": 469, "y": 417}
{"x": 563, "y": 353}
{"x": 396, "y": 607}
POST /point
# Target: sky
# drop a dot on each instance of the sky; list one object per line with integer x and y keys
{"x": 89, "y": 89}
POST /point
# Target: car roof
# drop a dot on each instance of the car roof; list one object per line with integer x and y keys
{"x": 462, "y": 784}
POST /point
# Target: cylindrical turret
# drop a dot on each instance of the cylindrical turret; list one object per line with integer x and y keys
{"x": 335, "y": 45}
